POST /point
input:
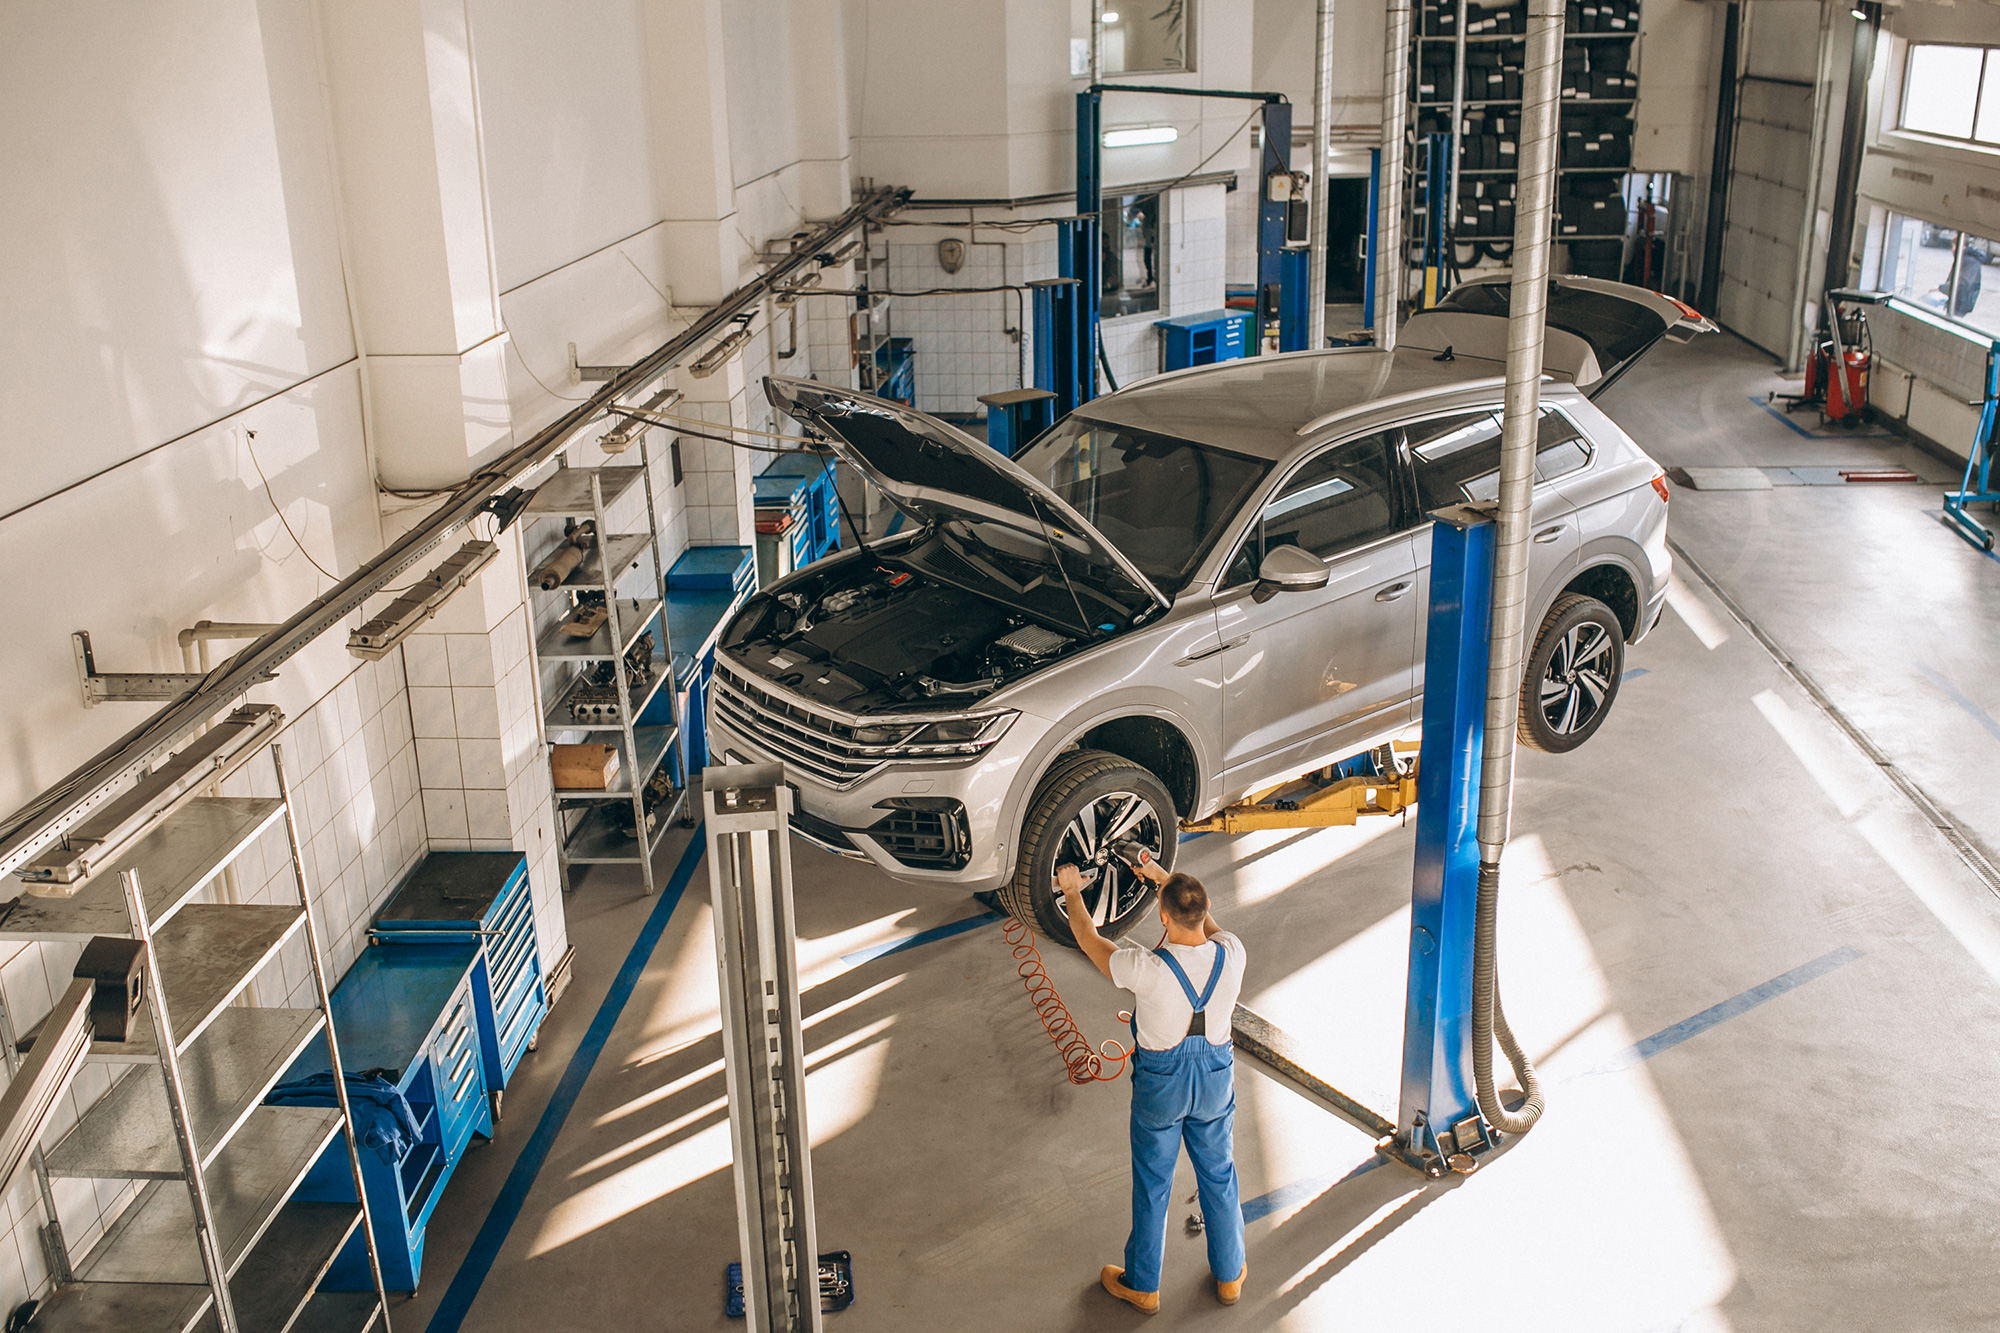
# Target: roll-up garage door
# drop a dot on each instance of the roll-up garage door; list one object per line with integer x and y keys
{"x": 1767, "y": 210}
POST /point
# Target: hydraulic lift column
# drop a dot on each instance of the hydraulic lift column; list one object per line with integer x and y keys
{"x": 748, "y": 816}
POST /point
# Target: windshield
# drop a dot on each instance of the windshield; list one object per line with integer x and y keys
{"x": 1161, "y": 501}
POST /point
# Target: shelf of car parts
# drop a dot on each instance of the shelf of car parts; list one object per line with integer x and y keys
{"x": 608, "y": 692}
{"x": 230, "y": 1252}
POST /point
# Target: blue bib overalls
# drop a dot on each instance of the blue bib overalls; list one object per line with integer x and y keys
{"x": 1186, "y": 1094}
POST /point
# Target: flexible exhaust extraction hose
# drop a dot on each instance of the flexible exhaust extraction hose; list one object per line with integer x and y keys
{"x": 1520, "y": 430}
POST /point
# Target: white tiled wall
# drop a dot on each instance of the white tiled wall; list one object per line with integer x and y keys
{"x": 962, "y": 344}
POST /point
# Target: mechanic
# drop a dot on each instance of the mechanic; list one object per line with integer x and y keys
{"x": 1183, "y": 1076}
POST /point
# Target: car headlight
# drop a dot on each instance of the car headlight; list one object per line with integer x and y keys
{"x": 881, "y": 735}
{"x": 964, "y": 729}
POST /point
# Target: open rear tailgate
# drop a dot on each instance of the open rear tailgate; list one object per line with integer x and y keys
{"x": 1596, "y": 329}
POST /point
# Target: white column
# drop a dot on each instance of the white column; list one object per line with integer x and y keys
{"x": 405, "y": 100}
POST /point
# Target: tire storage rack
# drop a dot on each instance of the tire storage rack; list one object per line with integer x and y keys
{"x": 608, "y": 686}
{"x": 1600, "y": 86}
{"x": 221, "y": 1235}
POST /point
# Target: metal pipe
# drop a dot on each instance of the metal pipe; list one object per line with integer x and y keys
{"x": 1527, "y": 313}
{"x": 1096, "y": 42}
{"x": 1709, "y": 292}
{"x": 1321, "y": 187}
{"x": 1795, "y": 342}
{"x": 1389, "y": 178}
{"x": 1860, "y": 64}
{"x": 41, "y": 821}
{"x": 1457, "y": 118}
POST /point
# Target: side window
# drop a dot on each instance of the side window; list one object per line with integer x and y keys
{"x": 1341, "y": 498}
{"x": 1458, "y": 457}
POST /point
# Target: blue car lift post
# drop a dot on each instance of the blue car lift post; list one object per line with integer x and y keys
{"x": 1066, "y": 309}
{"x": 1977, "y": 487}
{"x": 1438, "y": 1125}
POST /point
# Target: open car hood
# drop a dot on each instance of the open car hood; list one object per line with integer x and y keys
{"x": 1597, "y": 330}
{"x": 929, "y": 471}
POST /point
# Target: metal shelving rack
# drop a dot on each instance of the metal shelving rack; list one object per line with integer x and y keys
{"x": 585, "y": 833}
{"x": 213, "y": 1241}
{"x": 1458, "y": 104}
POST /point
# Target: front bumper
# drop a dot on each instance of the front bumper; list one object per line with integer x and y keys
{"x": 952, "y": 816}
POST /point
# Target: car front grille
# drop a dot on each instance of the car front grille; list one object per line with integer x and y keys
{"x": 821, "y": 745}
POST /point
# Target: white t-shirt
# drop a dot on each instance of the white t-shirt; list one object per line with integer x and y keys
{"x": 1162, "y": 1006}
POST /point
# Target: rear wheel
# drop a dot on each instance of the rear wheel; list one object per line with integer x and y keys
{"x": 1571, "y": 676}
{"x": 1089, "y": 802}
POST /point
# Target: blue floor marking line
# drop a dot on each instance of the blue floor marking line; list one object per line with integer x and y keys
{"x": 1843, "y": 434}
{"x": 921, "y": 938}
{"x": 1736, "y": 1005}
{"x": 1957, "y": 696}
{"x": 1302, "y": 1191}
{"x": 1637, "y": 672}
{"x": 513, "y": 1194}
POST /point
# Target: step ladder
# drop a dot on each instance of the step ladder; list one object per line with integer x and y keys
{"x": 213, "y": 1241}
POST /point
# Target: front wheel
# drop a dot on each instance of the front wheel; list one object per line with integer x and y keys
{"x": 1571, "y": 675}
{"x": 1086, "y": 805}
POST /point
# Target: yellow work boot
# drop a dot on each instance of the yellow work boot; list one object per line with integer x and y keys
{"x": 1231, "y": 1292}
{"x": 1146, "y": 1302}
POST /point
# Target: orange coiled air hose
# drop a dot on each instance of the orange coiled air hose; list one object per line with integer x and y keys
{"x": 1085, "y": 1064}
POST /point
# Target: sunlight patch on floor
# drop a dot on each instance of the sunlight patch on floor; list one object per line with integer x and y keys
{"x": 842, "y": 1081}
{"x": 1599, "y": 1211}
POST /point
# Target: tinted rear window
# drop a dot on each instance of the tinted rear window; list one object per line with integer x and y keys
{"x": 1614, "y": 327}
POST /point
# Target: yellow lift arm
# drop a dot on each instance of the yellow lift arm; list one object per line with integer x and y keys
{"x": 1321, "y": 800}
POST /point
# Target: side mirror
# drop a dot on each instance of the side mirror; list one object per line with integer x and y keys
{"x": 1289, "y": 569}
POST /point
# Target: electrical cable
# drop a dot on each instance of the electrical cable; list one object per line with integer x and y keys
{"x": 249, "y": 436}
{"x": 1086, "y": 1064}
{"x": 1258, "y": 111}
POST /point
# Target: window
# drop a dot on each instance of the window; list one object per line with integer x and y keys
{"x": 1131, "y": 236}
{"x": 1458, "y": 457}
{"x": 1952, "y": 92}
{"x": 1161, "y": 501}
{"x": 1342, "y": 498}
{"x": 1140, "y": 37}
{"x": 1943, "y": 270}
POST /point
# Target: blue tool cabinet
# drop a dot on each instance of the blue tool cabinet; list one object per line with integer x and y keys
{"x": 410, "y": 1013}
{"x": 482, "y": 899}
{"x": 704, "y": 589}
{"x": 1203, "y": 339}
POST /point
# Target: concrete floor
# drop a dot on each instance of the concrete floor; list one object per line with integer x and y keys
{"x": 1761, "y": 987}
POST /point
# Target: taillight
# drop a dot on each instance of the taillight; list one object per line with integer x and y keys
{"x": 1660, "y": 486}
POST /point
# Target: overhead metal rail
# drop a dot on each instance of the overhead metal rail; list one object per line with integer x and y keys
{"x": 62, "y": 806}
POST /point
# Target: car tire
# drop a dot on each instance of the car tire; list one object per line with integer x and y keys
{"x": 1071, "y": 819}
{"x": 1572, "y": 674}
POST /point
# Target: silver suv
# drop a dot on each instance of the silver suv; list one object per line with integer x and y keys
{"x": 1187, "y": 591}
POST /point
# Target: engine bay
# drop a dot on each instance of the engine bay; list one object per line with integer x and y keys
{"x": 867, "y": 636}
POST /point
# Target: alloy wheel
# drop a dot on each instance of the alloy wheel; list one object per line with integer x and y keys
{"x": 1090, "y": 839}
{"x": 1578, "y": 679}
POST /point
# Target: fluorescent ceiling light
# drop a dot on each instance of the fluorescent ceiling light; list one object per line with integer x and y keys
{"x": 1144, "y": 134}
{"x": 1110, "y": 16}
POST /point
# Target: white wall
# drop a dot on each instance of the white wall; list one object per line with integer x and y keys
{"x": 176, "y": 284}
{"x": 562, "y": 104}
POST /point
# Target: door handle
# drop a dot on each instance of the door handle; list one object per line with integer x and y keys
{"x": 1547, "y": 535}
{"x": 1213, "y": 649}
{"x": 1393, "y": 591}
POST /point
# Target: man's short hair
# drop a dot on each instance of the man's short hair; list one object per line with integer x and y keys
{"x": 1185, "y": 899}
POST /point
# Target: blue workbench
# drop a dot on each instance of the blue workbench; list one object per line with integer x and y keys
{"x": 408, "y": 1012}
